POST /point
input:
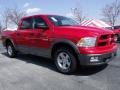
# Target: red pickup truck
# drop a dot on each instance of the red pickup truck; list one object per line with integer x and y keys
{"x": 61, "y": 39}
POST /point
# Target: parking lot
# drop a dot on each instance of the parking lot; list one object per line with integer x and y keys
{"x": 35, "y": 73}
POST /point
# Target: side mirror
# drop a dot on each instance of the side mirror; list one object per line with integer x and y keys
{"x": 41, "y": 26}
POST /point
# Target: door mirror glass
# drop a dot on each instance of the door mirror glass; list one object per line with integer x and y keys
{"x": 40, "y": 23}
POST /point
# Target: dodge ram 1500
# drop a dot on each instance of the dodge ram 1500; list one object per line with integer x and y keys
{"x": 61, "y": 39}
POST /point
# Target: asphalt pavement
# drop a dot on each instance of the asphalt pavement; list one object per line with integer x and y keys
{"x": 27, "y": 72}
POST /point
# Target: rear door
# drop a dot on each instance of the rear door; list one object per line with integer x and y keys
{"x": 24, "y": 34}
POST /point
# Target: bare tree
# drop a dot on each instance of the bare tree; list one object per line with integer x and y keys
{"x": 111, "y": 12}
{"x": 12, "y": 16}
{"x": 15, "y": 15}
{"x": 78, "y": 14}
{"x": 5, "y": 18}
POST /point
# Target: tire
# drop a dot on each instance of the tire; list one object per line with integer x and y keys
{"x": 11, "y": 50}
{"x": 65, "y": 60}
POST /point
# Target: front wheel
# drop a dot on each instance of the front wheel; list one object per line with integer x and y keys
{"x": 11, "y": 50}
{"x": 65, "y": 60}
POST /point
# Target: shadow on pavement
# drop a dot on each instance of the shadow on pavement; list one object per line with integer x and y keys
{"x": 47, "y": 63}
{"x": 90, "y": 70}
{"x": 40, "y": 61}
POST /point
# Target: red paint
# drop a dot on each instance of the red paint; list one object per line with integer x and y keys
{"x": 117, "y": 31}
{"x": 45, "y": 39}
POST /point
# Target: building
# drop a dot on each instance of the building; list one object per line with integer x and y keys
{"x": 95, "y": 23}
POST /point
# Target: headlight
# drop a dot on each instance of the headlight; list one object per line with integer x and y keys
{"x": 87, "y": 42}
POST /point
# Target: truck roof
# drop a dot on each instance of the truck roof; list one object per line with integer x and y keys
{"x": 40, "y": 15}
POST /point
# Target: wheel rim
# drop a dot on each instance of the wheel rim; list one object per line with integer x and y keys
{"x": 63, "y": 60}
{"x": 10, "y": 50}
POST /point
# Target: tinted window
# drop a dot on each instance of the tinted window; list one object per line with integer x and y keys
{"x": 62, "y": 21}
{"x": 116, "y": 27}
{"x": 39, "y": 22}
{"x": 27, "y": 23}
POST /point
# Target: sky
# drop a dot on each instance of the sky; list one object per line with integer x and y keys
{"x": 91, "y": 8}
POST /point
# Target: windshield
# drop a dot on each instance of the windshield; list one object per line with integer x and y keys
{"x": 62, "y": 21}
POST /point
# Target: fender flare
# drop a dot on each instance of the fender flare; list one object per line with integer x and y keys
{"x": 65, "y": 41}
{"x": 4, "y": 42}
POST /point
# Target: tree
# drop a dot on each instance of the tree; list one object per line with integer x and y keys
{"x": 78, "y": 14}
{"x": 111, "y": 12}
{"x": 12, "y": 16}
{"x": 15, "y": 15}
{"x": 5, "y": 18}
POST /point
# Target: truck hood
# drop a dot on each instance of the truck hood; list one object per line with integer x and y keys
{"x": 82, "y": 31}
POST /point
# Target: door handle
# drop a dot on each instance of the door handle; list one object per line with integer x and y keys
{"x": 31, "y": 34}
{"x": 18, "y": 34}
{"x": 39, "y": 34}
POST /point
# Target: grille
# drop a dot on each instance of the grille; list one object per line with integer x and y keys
{"x": 104, "y": 36}
{"x": 105, "y": 40}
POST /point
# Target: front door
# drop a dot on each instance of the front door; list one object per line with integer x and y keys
{"x": 41, "y": 37}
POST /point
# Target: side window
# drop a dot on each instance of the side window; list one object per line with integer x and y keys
{"x": 39, "y": 22}
{"x": 27, "y": 23}
{"x": 65, "y": 22}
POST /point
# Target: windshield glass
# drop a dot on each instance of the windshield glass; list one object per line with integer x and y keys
{"x": 62, "y": 21}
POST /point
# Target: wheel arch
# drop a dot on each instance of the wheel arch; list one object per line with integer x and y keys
{"x": 7, "y": 40}
{"x": 62, "y": 43}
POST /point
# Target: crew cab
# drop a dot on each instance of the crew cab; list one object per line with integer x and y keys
{"x": 62, "y": 40}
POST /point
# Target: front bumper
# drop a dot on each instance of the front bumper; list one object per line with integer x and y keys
{"x": 96, "y": 59}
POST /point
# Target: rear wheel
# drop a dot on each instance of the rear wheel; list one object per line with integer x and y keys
{"x": 65, "y": 60}
{"x": 11, "y": 50}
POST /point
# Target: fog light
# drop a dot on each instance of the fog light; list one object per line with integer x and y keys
{"x": 94, "y": 59}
